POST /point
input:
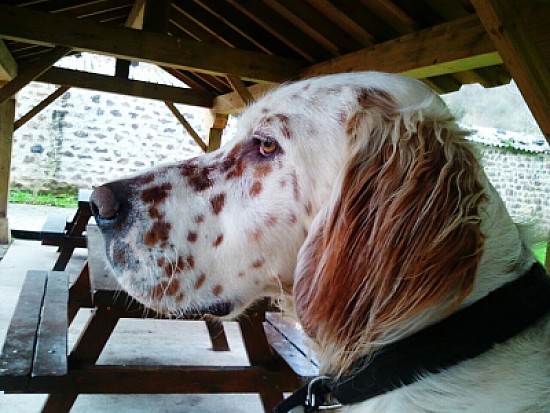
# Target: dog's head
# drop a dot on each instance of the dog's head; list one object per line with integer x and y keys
{"x": 357, "y": 188}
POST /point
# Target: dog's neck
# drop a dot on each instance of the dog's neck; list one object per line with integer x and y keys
{"x": 505, "y": 254}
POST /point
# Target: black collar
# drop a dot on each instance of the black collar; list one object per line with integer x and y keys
{"x": 463, "y": 335}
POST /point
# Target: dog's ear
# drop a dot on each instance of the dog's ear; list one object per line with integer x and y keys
{"x": 400, "y": 234}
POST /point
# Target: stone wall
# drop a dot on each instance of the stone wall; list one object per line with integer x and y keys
{"x": 86, "y": 138}
{"x": 523, "y": 181}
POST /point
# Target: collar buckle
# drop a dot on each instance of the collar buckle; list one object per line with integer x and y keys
{"x": 316, "y": 389}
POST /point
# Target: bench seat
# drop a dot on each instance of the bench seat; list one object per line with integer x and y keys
{"x": 36, "y": 341}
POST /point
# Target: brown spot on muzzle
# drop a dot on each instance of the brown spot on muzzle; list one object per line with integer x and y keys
{"x": 200, "y": 281}
{"x": 258, "y": 263}
{"x": 156, "y": 194}
{"x": 198, "y": 178}
{"x": 217, "y": 290}
{"x": 159, "y": 233}
{"x": 218, "y": 241}
{"x": 192, "y": 237}
{"x": 255, "y": 189}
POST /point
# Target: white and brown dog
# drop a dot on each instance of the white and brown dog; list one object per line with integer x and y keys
{"x": 358, "y": 195}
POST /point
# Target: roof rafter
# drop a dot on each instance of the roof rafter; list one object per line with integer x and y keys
{"x": 112, "y": 84}
{"x": 8, "y": 65}
{"x": 454, "y": 47}
{"x": 47, "y": 29}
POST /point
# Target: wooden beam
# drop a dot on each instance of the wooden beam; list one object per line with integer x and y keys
{"x": 232, "y": 103}
{"x": 126, "y": 87}
{"x": 135, "y": 17}
{"x": 240, "y": 88}
{"x": 447, "y": 48}
{"x": 187, "y": 126}
{"x": 22, "y": 24}
{"x": 30, "y": 73}
{"x": 122, "y": 68}
{"x": 7, "y": 116}
{"x": 216, "y": 132}
{"x": 520, "y": 54}
{"x": 8, "y": 65}
{"x": 40, "y": 107}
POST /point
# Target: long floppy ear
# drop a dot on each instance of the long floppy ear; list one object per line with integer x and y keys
{"x": 400, "y": 236}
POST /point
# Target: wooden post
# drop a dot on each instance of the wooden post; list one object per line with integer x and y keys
{"x": 216, "y": 131}
{"x": 7, "y": 118}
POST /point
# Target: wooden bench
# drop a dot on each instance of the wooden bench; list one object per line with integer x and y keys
{"x": 68, "y": 235}
{"x": 36, "y": 341}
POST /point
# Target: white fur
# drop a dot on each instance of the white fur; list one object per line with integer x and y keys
{"x": 512, "y": 377}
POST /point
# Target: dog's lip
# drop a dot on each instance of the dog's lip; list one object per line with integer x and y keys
{"x": 220, "y": 309}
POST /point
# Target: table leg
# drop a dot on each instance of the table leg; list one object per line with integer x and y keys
{"x": 94, "y": 337}
{"x": 59, "y": 403}
{"x": 217, "y": 335}
{"x": 80, "y": 293}
{"x": 86, "y": 351}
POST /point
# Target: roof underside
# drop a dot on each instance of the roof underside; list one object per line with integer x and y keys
{"x": 441, "y": 42}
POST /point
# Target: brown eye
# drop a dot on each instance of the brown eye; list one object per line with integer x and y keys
{"x": 267, "y": 147}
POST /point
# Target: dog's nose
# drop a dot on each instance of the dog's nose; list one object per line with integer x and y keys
{"x": 109, "y": 203}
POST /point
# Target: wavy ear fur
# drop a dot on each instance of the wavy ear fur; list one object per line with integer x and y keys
{"x": 400, "y": 241}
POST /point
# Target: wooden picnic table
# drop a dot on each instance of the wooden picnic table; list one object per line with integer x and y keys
{"x": 35, "y": 360}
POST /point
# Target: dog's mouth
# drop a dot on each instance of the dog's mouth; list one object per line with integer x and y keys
{"x": 221, "y": 309}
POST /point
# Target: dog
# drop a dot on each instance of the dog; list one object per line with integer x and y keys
{"x": 359, "y": 197}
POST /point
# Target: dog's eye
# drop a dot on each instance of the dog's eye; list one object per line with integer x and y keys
{"x": 268, "y": 147}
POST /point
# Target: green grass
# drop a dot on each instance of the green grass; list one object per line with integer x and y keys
{"x": 67, "y": 199}
{"x": 540, "y": 251}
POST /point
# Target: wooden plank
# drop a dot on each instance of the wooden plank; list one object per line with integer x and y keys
{"x": 126, "y": 87}
{"x": 30, "y": 26}
{"x": 332, "y": 11}
{"x": 186, "y": 125}
{"x": 18, "y": 351}
{"x": 392, "y": 14}
{"x": 40, "y": 107}
{"x": 30, "y": 73}
{"x": 280, "y": 28}
{"x": 8, "y": 65}
{"x": 450, "y": 47}
{"x": 107, "y": 379}
{"x": 54, "y": 225}
{"x": 315, "y": 25}
{"x": 520, "y": 54}
{"x": 238, "y": 86}
{"x": 100, "y": 276}
{"x": 231, "y": 103}
{"x": 50, "y": 358}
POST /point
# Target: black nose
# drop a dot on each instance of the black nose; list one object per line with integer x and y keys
{"x": 109, "y": 203}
